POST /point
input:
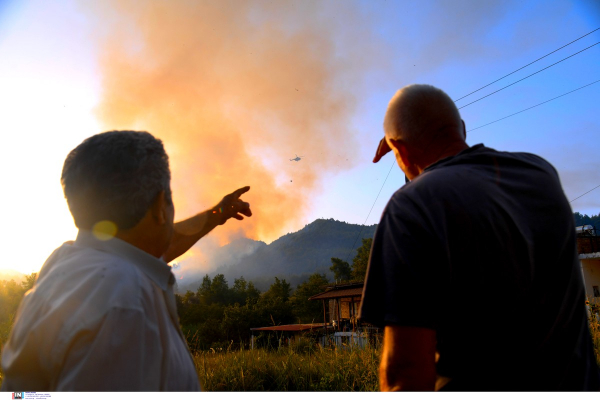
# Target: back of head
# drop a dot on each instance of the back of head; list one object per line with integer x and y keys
{"x": 417, "y": 114}
{"x": 115, "y": 176}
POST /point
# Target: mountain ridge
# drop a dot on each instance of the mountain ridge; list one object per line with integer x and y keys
{"x": 294, "y": 256}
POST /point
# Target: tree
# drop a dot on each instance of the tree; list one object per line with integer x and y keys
{"x": 220, "y": 289}
{"x": 215, "y": 291}
{"x": 238, "y": 320}
{"x": 217, "y": 314}
{"x": 11, "y": 294}
{"x": 273, "y": 306}
{"x": 244, "y": 292}
{"x": 360, "y": 262}
{"x": 252, "y": 294}
{"x": 29, "y": 281}
{"x": 204, "y": 289}
{"x": 239, "y": 290}
{"x": 341, "y": 269}
{"x": 308, "y": 311}
{"x": 279, "y": 291}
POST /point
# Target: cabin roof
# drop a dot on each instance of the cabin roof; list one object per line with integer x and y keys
{"x": 338, "y": 292}
{"x": 290, "y": 328}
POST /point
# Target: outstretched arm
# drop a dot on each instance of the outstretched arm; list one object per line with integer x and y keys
{"x": 189, "y": 231}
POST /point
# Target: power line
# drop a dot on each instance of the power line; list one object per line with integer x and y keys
{"x": 528, "y": 76}
{"x": 483, "y": 87}
{"x": 564, "y": 94}
{"x": 499, "y": 79}
{"x": 368, "y": 215}
{"x": 584, "y": 194}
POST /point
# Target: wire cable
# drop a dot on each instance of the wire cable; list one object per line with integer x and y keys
{"x": 516, "y": 70}
{"x": 483, "y": 87}
{"x": 394, "y": 161}
{"x": 528, "y": 76}
{"x": 547, "y": 101}
{"x": 368, "y": 215}
{"x": 584, "y": 194}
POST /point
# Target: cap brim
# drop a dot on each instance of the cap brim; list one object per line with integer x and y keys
{"x": 382, "y": 150}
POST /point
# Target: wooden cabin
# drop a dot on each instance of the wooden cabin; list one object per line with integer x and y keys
{"x": 340, "y": 327}
{"x": 341, "y": 303}
{"x": 588, "y": 248}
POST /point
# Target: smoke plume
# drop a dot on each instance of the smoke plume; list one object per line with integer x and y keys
{"x": 235, "y": 90}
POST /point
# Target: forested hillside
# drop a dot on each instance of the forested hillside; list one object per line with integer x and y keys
{"x": 222, "y": 309}
{"x": 219, "y": 315}
{"x": 297, "y": 255}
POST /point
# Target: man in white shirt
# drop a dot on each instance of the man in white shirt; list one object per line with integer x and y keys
{"x": 102, "y": 314}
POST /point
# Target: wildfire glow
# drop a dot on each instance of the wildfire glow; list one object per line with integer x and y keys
{"x": 230, "y": 98}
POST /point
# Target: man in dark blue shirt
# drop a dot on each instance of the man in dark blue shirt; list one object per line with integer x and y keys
{"x": 474, "y": 271}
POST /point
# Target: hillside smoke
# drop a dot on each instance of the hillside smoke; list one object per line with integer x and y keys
{"x": 235, "y": 89}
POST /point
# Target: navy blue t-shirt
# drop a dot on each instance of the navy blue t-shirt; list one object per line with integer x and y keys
{"x": 481, "y": 247}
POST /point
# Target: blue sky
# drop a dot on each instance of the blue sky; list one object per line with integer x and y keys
{"x": 54, "y": 78}
{"x": 566, "y": 131}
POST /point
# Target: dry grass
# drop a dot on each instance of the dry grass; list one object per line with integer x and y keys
{"x": 307, "y": 368}
{"x": 321, "y": 369}
{"x": 318, "y": 369}
{"x": 595, "y": 333}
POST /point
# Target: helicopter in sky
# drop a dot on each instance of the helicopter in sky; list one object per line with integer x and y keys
{"x": 298, "y": 158}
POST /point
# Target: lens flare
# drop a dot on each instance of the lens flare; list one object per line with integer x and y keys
{"x": 104, "y": 230}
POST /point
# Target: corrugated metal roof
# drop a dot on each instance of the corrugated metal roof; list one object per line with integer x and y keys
{"x": 588, "y": 244}
{"x": 337, "y": 293}
{"x": 290, "y": 328}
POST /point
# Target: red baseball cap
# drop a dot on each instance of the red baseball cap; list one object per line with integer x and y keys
{"x": 382, "y": 150}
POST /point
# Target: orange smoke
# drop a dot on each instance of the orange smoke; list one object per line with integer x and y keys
{"x": 234, "y": 89}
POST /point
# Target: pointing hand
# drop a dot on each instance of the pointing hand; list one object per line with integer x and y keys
{"x": 233, "y": 207}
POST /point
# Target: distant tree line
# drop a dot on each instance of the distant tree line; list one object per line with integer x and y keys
{"x": 583, "y": 219}
{"x": 217, "y": 314}
{"x": 11, "y": 294}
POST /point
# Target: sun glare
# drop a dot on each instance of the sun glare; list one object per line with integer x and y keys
{"x": 47, "y": 102}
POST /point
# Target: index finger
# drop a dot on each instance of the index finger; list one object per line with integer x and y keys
{"x": 240, "y": 192}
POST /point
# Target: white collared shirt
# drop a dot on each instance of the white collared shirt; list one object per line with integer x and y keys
{"x": 101, "y": 317}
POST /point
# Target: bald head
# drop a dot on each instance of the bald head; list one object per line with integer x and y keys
{"x": 422, "y": 126}
{"x": 419, "y": 113}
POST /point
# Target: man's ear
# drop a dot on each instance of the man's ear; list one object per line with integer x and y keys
{"x": 404, "y": 158}
{"x": 401, "y": 149}
{"x": 159, "y": 207}
{"x": 464, "y": 129}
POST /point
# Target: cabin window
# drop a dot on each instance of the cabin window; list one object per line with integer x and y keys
{"x": 345, "y": 310}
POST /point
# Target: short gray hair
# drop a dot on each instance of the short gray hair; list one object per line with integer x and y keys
{"x": 420, "y": 110}
{"x": 115, "y": 176}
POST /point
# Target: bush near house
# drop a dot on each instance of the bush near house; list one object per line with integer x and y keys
{"x": 595, "y": 333}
